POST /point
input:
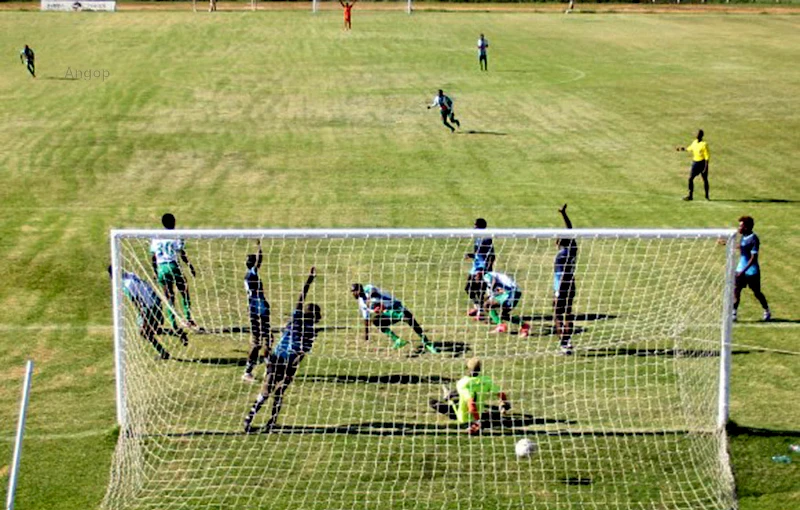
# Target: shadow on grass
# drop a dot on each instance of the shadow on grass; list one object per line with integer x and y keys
{"x": 666, "y": 353}
{"x": 60, "y": 78}
{"x": 767, "y": 323}
{"x": 246, "y": 329}
{"x": 578, "y": 317}
{"x": 476, "y": 132}
{"x": 378, "y": 379}
{"x": 451, "y": 349}
{"x": 759, "y": 201}
{"x": 736, "y": 430}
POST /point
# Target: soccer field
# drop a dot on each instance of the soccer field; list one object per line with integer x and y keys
{"x": 281, "y": 119}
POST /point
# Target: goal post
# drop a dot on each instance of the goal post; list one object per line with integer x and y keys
{"x": 632, "y": 415}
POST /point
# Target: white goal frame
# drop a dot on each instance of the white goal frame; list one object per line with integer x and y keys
{"x": 315, "y": 6}
{"x": 724, "y": 235}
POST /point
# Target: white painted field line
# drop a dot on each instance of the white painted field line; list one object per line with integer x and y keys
{"x": 92, "y": 328}
{"x": 55, "y": 437}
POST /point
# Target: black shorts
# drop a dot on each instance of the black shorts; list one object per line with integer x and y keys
{"x": 259, "y": 327}
{"x": 282, "y": 369}
{"x": 699, "y": 168}
{"x": 475, "y": 287}
{"x": 562, "y": 301}
{"x": 753, "y": 281}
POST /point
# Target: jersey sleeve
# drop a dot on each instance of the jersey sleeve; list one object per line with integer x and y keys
{"x": 754, "y": 245}
{"x": 363, "y": 308}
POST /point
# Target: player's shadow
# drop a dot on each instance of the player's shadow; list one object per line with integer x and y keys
{"x": 767, "y": 323}
{"x": 664, "y": 353}
{"x": 508, "y": 425}
{"x": 736, "y": 430}
{"x": 758, "y": 200}
{"x": 452, "y": 349}
{"x": 60, "y": 78}
{"x": 478, "y": 132}
{"x": 578, "y": 317}
{"x": 227, "y": 330}
{"x": 377, "y": 379}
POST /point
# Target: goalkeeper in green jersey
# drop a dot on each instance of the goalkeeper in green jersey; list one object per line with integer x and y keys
{"x": 467, "y": 405}
{"x": 383, "y": 310}
{"x": 165, "y": 253}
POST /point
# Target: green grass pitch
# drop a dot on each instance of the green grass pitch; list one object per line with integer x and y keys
{"x": 281, "y": 119}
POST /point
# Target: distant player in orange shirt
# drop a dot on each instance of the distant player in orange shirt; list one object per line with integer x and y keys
{"x": 348, "y": 8}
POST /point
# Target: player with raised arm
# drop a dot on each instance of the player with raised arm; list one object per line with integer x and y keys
{"x": 348, "y": 13}
{"x": 382, "y": 310}
{"x": 26, "y": 56}
{"x": 483, "y": 257}
{"x": 165, "y": 253}
{"x": 700, "y": 159}
{"x": 468, "y": 403}
{"x": 258, "y": 309}
{"x": 483, "y": 45}
{"x": 564, "y": 286}
{"x": 748, "y": 272}
{"x": 148, "y": 307}
{"x": 445, "y": 105}
{"x": 502, "y": 293}
{"x": 296, "y": 342}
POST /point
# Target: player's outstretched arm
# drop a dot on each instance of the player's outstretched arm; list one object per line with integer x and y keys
{"x": 341, "y": 3}
{"x": 185, "y": 259}
{"x": 311, "y": 275}
{"x": 259, "y": 255}
{"x": 564, "y": 215}
{"x": 154, "y": 264}
{"x": 366, "y": 330}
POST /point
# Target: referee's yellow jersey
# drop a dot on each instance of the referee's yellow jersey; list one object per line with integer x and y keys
{"x": 699, "y": 151}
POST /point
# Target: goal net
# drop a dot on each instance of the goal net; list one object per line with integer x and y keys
{"x": 620, "y": 384}
{"x": 406, "y": 6}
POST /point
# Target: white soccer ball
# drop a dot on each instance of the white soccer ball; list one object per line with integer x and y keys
{"x": 525, "y": 448}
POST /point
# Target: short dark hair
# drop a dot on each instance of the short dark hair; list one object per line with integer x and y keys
{"x": 441, "y": 92}
{"x": 748, "y": 221}
{"x": 356, "y": 287}
{"x": 251, "y": 261}
{"x": 700, "y": 136}
{"x": 480, "y": 223}
{"x": 168, "y": 220}
{"x": 110, "y": 273}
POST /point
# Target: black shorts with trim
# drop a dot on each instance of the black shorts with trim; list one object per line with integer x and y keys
{"x": 753, "y": 281}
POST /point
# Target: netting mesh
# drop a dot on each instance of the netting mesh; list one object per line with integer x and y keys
{"x": 628, "y": 421}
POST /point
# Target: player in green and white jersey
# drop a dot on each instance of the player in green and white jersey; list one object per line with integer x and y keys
{"x": 165, "y": 253}
{"x": 382, "y": 310}
{"x": 468, "y": 403}
{"x": 502, "y": 293}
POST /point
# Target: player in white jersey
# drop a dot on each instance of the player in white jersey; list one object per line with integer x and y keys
{"x": 502, "y": 293}
{"x": 165, "y": 253}
{"x": 483, "y": 44}
{"x": 148, "y": 307}
{"x": 382, "y": 310}
{"x": 445, "y": 105}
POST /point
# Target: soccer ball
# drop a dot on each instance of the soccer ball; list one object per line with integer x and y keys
{"x": 525, "y": 448}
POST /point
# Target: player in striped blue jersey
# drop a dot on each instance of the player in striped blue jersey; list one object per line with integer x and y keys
{"x": 383, "y": 310}
{"x": 748, "y": 271}
{"x": 564, "y": 286}
{"x": 296, "y": 342}
{"x": 483, "y": 258}
{"x": 502, "y": 293}
{"x": 259, "y": 310}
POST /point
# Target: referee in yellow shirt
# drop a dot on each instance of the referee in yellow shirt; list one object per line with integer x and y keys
{"x": 700, "y": 157}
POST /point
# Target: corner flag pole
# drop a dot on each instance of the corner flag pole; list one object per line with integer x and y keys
{"x": 23, "y": 411}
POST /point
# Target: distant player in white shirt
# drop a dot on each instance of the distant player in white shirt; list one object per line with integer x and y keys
{"x": 165, "y": 253}
{"x": 445, "y": 105}
{"x": 483, "y": 44}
